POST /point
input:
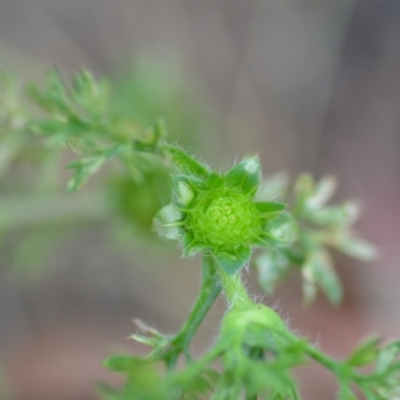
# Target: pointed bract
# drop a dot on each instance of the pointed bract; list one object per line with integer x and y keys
{"x": 233, "y": 261}
{"x": 167, "y": 222}
{"x": 190, "y": 246}
{"x": 187, "y": 164}
{"x": 270, "y": 209}
{"x": 214, "y": 181}
{"x": 280, "y": 231}
{"x": 245, "y": 175}
{"x": 183, "y": 190}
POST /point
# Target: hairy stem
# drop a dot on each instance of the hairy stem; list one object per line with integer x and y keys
{"x": 234, "y": 289}
{"x": 338, "y": 368}
{"x": 209, "y": 291}
{"x": 321, "y": 358}
{"x": 210, "y": 288}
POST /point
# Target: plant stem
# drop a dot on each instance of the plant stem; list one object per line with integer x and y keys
{"x": 209, "y": 291}
{"x": 321, "y": 358}
{"x": 338, "y": 368}
{"x": 234, "y": 289}
{"x": 210, "y": 288}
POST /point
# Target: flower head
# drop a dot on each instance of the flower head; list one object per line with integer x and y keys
{"x": 217, "y": 212}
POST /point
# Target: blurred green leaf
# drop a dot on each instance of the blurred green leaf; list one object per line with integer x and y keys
{"x": 365, "y": 353}
{"x": 342, "y": 215}
{"x": 345, "y": 392}
{"x": 272, "y": 267}
{"x": 318, "y": 270}
{"x": 273, "y": 187}
{"x": 280, "y": 231}
{"x": 89, "y": 93}
{"x": 387, "y": 356}
{"x": 167, "y": 222}
{"x": 270, "y": 209}
{"x": 86, "y": 167}
{"x": 121, "y": 363}
{"x": 356, "y": 247}
{"x": 323, "y": 191}
{"x": 303, "y": 189}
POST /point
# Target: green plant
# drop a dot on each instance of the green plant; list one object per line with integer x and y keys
{"x": 41, "y": 126}
{"x": 224, "y": 217}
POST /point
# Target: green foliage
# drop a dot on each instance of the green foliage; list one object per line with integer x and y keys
{"x": 80, "y": 116}
{"x": 99, "y": 126}
{"x": 216, "y": 214}
{"x": 319, "y": 226}
{"x": 224, "y": 216}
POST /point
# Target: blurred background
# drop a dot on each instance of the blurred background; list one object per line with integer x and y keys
{"x": 308, "y": 85}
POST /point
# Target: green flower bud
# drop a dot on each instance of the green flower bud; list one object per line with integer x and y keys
{"x": 217, "y": 212}
{"x": 224, "y": 219}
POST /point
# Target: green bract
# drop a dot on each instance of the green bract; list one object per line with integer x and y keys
{"x": 217, "y": 213}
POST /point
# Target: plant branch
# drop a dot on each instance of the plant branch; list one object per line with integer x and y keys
{"x": 234, "y": 289}
{"x": 210, "y": 288}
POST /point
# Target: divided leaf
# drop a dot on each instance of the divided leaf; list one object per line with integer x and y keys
{"x": 90, "y": 94}
{"x": 87, "y": 166}
{"x": 154, "y": 134}
{"x": 53, "y": 97}
{"x": 84, "y": 168}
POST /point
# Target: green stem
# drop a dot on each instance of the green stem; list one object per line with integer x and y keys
{"x": 234, "y": 289}
{"x": 196, "y": 368}
{"x": 338, "y": 368}
{"x": 209, "y": 290}
{"x": 322, "y": 359}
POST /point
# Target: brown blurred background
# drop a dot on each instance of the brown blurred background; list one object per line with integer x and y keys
{"x": 309, "y": 85}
